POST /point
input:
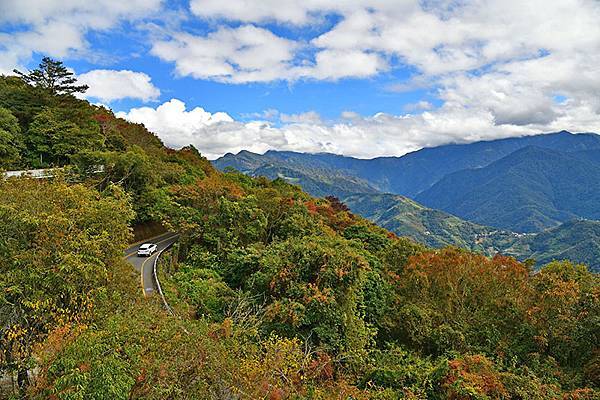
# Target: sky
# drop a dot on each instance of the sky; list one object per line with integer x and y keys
{"x": 362, "y": 78}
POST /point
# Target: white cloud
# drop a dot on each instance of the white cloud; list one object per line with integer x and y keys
{"x": 335, "y": 64}
{"x": 243, "y": 54}
{"x": 377, "y": 135}
{"x": 177, "y": 126}
{"x": 418, "y": 106}
{"x": 311, "y": 117}
{"x": 507, "y": 58}
{"x": 109, "y": 85}
{"x": 292, "y": 11}
{"x": 58, "y": 28}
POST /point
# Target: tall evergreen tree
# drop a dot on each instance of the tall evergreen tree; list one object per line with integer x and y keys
{"x": 54, "y": 76}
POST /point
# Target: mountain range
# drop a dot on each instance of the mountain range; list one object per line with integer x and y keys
{"x": 529, "y": 190}
{"x": 517, "y": 196}
{"x": 414, "y": 172}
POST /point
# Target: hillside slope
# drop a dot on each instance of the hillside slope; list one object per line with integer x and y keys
{"x": 529, "y": 190}
{"x": 576, "y": 240}
{"x": 316, "y": 179}
{"x": 434, "y": 228}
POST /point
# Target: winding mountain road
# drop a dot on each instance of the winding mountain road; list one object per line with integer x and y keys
{"x": 144, "y": 264}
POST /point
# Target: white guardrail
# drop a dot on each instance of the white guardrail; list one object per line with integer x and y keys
{"x": 33, "y": 173}
{"x": 45, "y": 173}
{"x": 157, "y": 282}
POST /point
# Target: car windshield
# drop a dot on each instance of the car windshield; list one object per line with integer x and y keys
{"x": 145, "y": 246}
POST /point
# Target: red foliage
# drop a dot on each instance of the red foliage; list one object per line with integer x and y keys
{"x": 473, "y": 373}
{"x": 321, "y": 367}
{"x": 336, "y": 204}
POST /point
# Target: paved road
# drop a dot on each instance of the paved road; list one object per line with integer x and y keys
{"x": 144, "y": 264}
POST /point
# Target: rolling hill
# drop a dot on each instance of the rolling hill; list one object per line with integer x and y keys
{"x": 318, "y": 180}
{"x": 435, "y": 228}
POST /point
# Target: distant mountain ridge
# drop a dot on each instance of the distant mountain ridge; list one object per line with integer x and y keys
{"x": 414, "y": 172}
{"x": 317, "y": 179}
{"x": 524, "y": 184}
{"x": 576, "y": 240}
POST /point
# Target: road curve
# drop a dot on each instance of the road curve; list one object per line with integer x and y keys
{"x": 144, "y": 264}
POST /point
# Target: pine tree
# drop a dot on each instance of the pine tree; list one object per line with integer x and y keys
{"x": 54, "y": 76}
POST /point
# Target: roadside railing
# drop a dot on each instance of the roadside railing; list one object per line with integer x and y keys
{"x": 157, "y": 282}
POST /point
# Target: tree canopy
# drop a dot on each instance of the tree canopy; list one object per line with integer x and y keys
{"x": 53, "y": 76}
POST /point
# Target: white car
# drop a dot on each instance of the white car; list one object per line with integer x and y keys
{"x": 147, "y": 249}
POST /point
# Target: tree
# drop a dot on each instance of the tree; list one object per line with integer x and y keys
{"x": 57, "y": 243}
{"x": 52, "y": 140}
{"x": 10, "y": 142}
{"x": 54, "y": 76}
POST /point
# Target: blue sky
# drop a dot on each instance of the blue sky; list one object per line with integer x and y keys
{"x": 119, "y": 49}
{"x": 362, "y": 78}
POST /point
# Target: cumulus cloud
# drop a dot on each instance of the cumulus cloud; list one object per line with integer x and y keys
{"x": 243, "y": 54}
{"x": 418, "y": 106}
{"x": 252, "y": 54}
{"x": 109, "y": 85}
{"x": 292, "y": 11}
{"x": 308, "y": 117}
{"x": 381, "y": 134}
{"x": 506, "y": 59}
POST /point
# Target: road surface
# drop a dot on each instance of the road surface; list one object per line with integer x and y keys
{"x": 144, "y": 265}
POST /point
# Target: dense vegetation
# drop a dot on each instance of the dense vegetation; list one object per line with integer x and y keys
{"x": 277, "y": 295}
{"x": 433, "y": 228}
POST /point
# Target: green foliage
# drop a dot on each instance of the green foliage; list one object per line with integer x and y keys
{"x": 95, "y": 366}
{"x": 401, "y": 373}
{"x": 57, "y": 243}
{"x": 372, "y": 241}
{"x": 312, "y": 286}
{"x": 53, "y": 76}
{"x": 51, "y": 141}
{"x": 205, "y": 290}
{"x": 10, "y": 139}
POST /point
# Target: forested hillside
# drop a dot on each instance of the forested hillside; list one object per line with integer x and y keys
{"x": 527, "y": 191}
{"x": 276, "y": 294}
{"x": 433, "y": 228}
{"x": 576, "y": 240}
{"x": 319, "y": 180}
{"x": 524, "y": 192}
